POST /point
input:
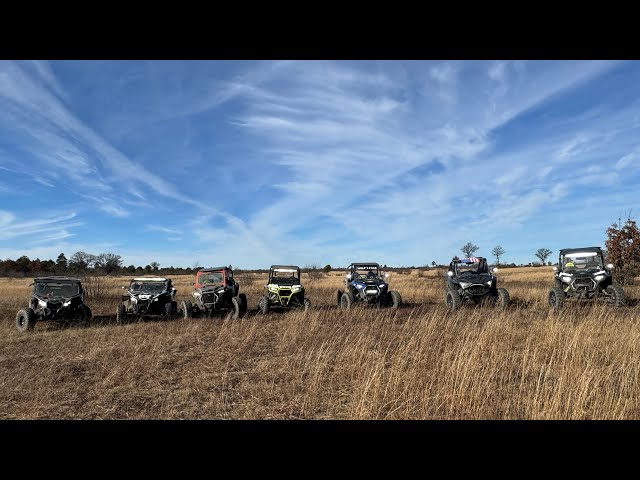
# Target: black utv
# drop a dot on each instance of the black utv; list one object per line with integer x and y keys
{"x": 582, "y": 274}
{"x": 470, "y": 280}
{"x": 54, "y": 298}
{"x": 147, "y": 296}
{"x": 215, "y": 290}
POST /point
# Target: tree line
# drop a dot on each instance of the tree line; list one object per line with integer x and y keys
{"x": 622, "y": 249}
{"x": 83, "y": 263}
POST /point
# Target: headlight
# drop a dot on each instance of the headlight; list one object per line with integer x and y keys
{"x": 598, "y": 278}
{"x": 566, "y": 279}
{"x": 67, "y": 303}
{"x": 489, "y": 283}
{"x": 42, "y": 304}
{"x": 296, "y": 288}
{"x": 465, "y": 284}
{"x": 155, "y": 299}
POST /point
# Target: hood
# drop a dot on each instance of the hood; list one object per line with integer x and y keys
{"x": 474, "y": 277}
{"x": 210, "y": 288}
{"x": 369, "y": 281}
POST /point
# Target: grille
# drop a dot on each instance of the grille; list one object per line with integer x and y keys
{"x": 583, "y": 283}
{"x": 285, "y": 292}
{"x": 477, "y": 289}
{"x": 209, "y": 298}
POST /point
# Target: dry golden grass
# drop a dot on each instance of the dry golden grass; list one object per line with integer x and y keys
{"x": 419, "y": 362}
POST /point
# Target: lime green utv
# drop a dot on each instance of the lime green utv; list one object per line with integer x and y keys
{"x": 284, "y": 290}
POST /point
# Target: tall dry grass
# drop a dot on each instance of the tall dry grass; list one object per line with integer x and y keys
{"x": 419, "y": 362}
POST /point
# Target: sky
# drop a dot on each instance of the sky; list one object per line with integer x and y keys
{"x": 253, "y": 163}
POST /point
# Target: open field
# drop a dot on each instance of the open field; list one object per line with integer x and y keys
{"x": 419, "y": 362}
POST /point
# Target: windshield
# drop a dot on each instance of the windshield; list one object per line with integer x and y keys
{"x": 147, "y": 287}
{"x": 210, "y": 278}
{"x": 471, "y": 266}
{"x": 365, "y": 271}
{"x": 57, "y": 289}
{"x": 283, "y": 275}
{"x": 582, "y": 262}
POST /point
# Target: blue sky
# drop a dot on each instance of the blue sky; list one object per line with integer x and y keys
{"x": 252, "y": 163}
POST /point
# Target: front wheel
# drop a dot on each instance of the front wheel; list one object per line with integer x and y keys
{"x": 85, "y": 315}
{"x": 396, "y": 300}
{"x": 243, "y": 305}
{"x": 186, "y": 308}
{"x": 556, "y": 298}
{"x": 25, "y": 319}
{"x": 346, "y": 301}
{"x": 236, "y": 307}
{"x": 168, "y": 311}
{"x": 503, "y": 298}
{"x": 121, "y": 314}
{"x": 452, "y": 299}
{"x": 617, "y": 295}
{"x": 263, "y": 305}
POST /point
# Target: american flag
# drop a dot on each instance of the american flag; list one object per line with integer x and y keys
{"x": 470, "y": 260}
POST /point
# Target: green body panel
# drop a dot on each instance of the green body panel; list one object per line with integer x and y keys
{"x": 285, "y": 300}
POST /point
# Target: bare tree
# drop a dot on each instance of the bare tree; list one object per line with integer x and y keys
{"x": 108, "y": 262}
{"x": 543, "y": 253}
{"x": 497, "y": 252}
{"x": 469, "y": 249}
{"x": 80, "y": 261}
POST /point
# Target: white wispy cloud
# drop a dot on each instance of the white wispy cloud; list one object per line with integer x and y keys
{"x": 378, "y": 152}
{"x": 42, "y": 225}
{"x": 69, "y": 149}
{"x": 158, "y": 228}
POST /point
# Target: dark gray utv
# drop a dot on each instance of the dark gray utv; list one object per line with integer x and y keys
{"x": 55, "y": 298}
{"x": 582, "y": 274}
{"x": 469, "y": 280}
{"x": 147, "y": 296}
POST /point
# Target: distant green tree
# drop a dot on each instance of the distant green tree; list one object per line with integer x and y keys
{"x": 23, "y": 264}
{"x": 61, "y": 263}
{"x": 327, "y": 268}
